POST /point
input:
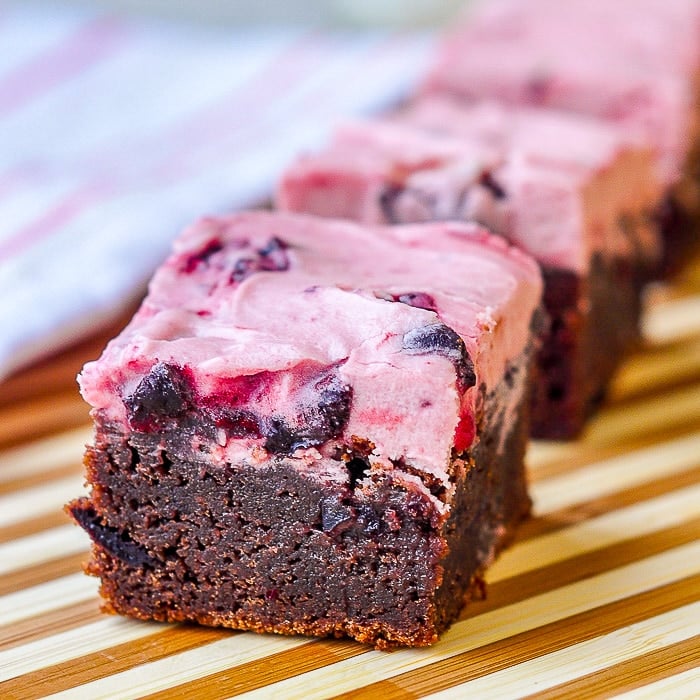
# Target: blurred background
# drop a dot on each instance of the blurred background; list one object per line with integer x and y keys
{"x": 393, "y": 13}
{"x": 122, "y": 121}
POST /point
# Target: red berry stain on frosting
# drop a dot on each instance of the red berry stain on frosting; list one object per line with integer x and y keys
{"x": 272, "y": 257}
{"x": 309, "y": 410}
{"x": 464, "y": 433}
{"x": 319, "y": 413}
{"x": 194, "y": 260}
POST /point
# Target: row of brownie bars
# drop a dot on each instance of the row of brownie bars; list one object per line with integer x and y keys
{"x": 318, "y": 426}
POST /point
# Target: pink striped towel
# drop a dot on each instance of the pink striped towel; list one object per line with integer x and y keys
{"x": 114, "y": 135}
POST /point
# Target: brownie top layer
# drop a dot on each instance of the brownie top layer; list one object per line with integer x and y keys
{"x": 408, "y": 168}
{"x": 628, "y": 60}
{"x": 284, "y": 332}
{"x": 592, "y": 152}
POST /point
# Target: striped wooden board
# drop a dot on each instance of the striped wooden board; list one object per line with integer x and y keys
{"x": 599, "y": 596}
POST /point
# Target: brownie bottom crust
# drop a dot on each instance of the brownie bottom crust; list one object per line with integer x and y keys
{"x": 593, "y": 324}
{"x": 271, "y": 548}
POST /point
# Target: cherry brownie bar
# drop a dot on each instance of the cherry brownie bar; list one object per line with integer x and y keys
{"x": 313, "y": 427}
{"x": 571, "y": 191}
{"x": 634, "y": 63}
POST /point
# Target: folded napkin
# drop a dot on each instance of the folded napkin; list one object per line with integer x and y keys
{"x": 115, "y": 134}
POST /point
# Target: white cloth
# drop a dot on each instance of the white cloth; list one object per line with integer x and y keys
{"x": 116, "y": 134}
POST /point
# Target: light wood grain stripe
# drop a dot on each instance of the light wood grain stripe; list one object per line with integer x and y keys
{"x": 44, "y": 546}
{"x": 493, "y": 626}
{"x": 182, "y": 667}
{"x": 101, "y": 663}
{"x": 547, "y": 459}
{"x": 38, "y": 600}
{"x": 486, "y": 628}
{"x": 62, "y": 472}
{"x": 672, "y": 320}
{"x": 531, "y": 644}
{"x": 656, "y": 369}
{"x": 623, "y": 524}
{"x": 107, "y": 632}
{"x": 262, "y": 672}
{"x": 592, "y": 563}
{"x": 578, "y": 512}
{"x": 42, "y": 499}
{"x": 25, "y": 528}
{"x": 683, "y": 686}
{"x": 618, "y": 430}
{"x": 641, "y": 670}
{"x": 580, "y": 659}
{"x": 52, "y": 622}
{"x": 615, "y": 474}
{"x": 40, "y": 457}
{"x": 39, "y": 573}
{"x": 627, "y": 422}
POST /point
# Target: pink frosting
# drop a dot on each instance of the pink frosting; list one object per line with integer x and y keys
{"x": 560, "y": 139}
{"x": 328, "y": 301}
{"x": 560, "y": 203}
{"x": 633, "y": 61}
{"x": 591, "y": 153}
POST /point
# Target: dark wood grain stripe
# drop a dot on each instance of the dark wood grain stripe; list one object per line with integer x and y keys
{"x": 48, "y": 415}
{"x": 567, "y": 571}
{"x": 49, "y": 623}
{"x": 34, "y": 525}
{"x": 43, "y": 572}
{"x": 656, "y": 370}
{"x": 565, "y": 517}
{"x": 27, "y": 482}
{"x": 523, "y": 647}
{"x": 258, "y": 674}
{"x": 58, "y": 677}
{"x": 628, "y": 675}
{"x": 563, "y": 458}
{"x": 57, "y": 373}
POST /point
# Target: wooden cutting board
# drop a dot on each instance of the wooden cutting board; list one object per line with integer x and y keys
{"x": 599, "y": 596}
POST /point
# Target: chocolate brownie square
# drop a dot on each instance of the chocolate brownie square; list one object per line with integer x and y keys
{"x": 313, "y": 427}
{"x": 572, "y": 192}
{"x": 634, "y": 63}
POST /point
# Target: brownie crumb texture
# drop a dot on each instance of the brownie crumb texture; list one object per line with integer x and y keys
{"x": 385, "y": 556}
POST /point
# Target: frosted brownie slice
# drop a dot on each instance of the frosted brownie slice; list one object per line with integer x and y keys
{"x": 313, "y": 427}
{"x": 578, "y": 203}
{"x": 634, "y": 62}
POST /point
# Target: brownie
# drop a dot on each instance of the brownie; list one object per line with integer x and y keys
{"x": 313, "y": 427}
{"x": 573, "y": 192}
{"x": 634, "y": 63}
